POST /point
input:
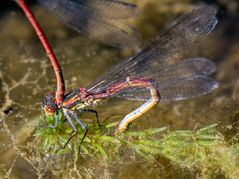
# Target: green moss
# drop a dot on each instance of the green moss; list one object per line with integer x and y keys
{"x": 204, "y": 150}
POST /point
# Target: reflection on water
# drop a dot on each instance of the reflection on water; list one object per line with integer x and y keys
{"x": 26, "y": 77}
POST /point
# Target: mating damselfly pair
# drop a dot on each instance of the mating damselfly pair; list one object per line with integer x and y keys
{"x": 156, "y": 73}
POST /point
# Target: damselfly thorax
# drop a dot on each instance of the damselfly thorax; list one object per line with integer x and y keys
{"x": 79, "y": 100}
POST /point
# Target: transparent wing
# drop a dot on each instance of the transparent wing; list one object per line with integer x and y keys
{"x": 181, "y": 69}
{"x": 105, "y": 8}
{"x": 186, "y": 88}
{"x": 118, "y": 36}
{"x": 94, "y": 18}
{"x": 174, "y": 90}
{"x": 158, "y": 60}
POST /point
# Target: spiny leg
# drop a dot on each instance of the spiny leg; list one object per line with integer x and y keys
{"x": 91, "y": 111}
{"x": 83, "y": 126}
{"x": 96, "y": 114}
{"x": 73, "y": 126}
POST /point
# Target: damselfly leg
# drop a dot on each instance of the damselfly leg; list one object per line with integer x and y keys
{"x": 96, "y": 114}
{"x": 65, "y": 111}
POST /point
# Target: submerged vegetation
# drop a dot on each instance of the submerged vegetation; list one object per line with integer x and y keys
{"x": 203, "y": 150}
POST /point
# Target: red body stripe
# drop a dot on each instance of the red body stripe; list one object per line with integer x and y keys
{"x": 129, "y": 83}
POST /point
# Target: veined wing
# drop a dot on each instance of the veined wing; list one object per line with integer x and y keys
{"x": 174, "y": 90}
{"x": 161, "y": 53}
{"x": 94, "y": 19}
{"x": 182, "y": 69}
{"x": 112, "y": 9}
{"x": 183, "y": 80}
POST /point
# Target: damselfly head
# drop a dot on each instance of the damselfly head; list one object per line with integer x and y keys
{"x": 49, "y": 105}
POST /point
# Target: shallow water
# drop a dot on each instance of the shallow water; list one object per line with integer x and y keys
{"x": 26, "y": 77}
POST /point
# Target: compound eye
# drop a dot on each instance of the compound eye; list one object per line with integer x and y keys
{"x": 49, "y": 110}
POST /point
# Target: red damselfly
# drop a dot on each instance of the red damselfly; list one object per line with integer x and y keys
{"x": 154, "y": 74}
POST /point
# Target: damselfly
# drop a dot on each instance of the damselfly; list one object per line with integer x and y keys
{"x": 154, "y": 74}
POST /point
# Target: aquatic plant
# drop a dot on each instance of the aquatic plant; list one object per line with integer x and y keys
{"x": 204, "y": 150}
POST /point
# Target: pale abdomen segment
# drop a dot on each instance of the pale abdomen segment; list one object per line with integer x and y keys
{"x": 142, "y": 83}
{"x": 154, "y": 100}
